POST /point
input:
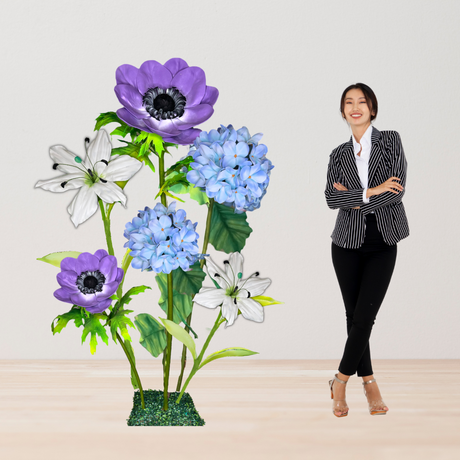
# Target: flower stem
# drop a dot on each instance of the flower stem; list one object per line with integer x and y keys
{"x": 133, "y": 367}
{"x": 108, "y": 235}
{"x": 126, "y": 261}
{"x": 189, "y": 318}
{"x": 196, "y": 364}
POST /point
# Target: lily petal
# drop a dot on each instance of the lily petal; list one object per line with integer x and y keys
{"x": 72, "y": 182}
{"x": 109, "y": 192}
{"x": 222, "y": 280}
{"x": 83, "y": 206}
{"x": 234, "y": 267}
{"x": 210, "y": 297}
{"x": 122, "y": 168}
{"x": 100, "y": 148}
{"x": 65, "y": 159}
{"x": 256, "y": 286}
{"x": 229, "y": 310}
{"x": 251, "y": 310}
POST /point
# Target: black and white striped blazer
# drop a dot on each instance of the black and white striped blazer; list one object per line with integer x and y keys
{"x": 386, "y": 160}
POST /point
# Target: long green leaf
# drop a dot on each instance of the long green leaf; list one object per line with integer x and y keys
{"x": 229, "y": 231}
{"x": 55, "y": 258}
{"x": 180, "y": 334}
{"x": 182, "y": 303}
{"x": 235, "y": 351}
{"x": 264, "y": 301}
{"x": 130, "y": 351}
{"x": 153, "y": 335}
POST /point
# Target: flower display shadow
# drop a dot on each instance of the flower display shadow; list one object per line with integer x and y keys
{"x": 182, "y": 414}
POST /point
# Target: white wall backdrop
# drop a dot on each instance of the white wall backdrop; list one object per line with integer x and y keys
{"x": 280, "y": 67}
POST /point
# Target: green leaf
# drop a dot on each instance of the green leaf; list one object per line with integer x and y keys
{"x": 181, "y": 335}
{"x": 188, "y": 282}
{"x": 130, "y": 351}
{"x": 236, "y": 351}
{"x": 94, "y": 326}
{"x": 133, "y": 291}
{"x": 153, "y": 335}
{"x": 74, "y": 314}
{"x": 264, "y": 301}
{"x": 55, "y": 258}
{"x": 182, "y": 302}
{"x": 229, "y": 231}
{"x": 111, "y": 117}
{"x": 150, "y": 140}
{"x": 120, "y": 322}
{"x": 129, "y": 149}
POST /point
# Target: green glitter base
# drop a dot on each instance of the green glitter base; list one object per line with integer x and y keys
{"x": 182, "y": 414}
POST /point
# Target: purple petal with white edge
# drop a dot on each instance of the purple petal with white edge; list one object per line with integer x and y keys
{"x": 107, "y": 290}
{"x": 101, "y": 253}
{"x": 130, "y": 119}
{"x": 64, "y": 158}
{"x": 72, "y": 182}
{"x": 229, "y": 311}
{"x": 83, "y": 206}
{"x": 126, "y": 74}
{"x": 161, "y": 127}
{"x": 152, "y": 74}
{"x": 120, "y": 274}
{"x": 122, "y": 168}
{"x": 235, "y": 266}
{"x": 69, "y": 263}
{"x": 251, "y": 310}
{"x": 87, "y": 262}
{"x": 130, "y": 98}
{"x": 175, "y": 65}
{"x": 108, "y": 267}
{"x": 210, "y": 96}
{"x": 109, "y": 192}
{"x": 191, "y": 82}
{"x": 185, "y": 137}
{"x": 193, "y": 116}
{"x": 210, "y": 297}
{"x": 100, "y": 148}
{"x": 63, "y": 295}
{"x": 67, "y": 279}
{"x": 82, "y": 300}
{"x": 100, "y": 307}
{"x": 256, "y": 286}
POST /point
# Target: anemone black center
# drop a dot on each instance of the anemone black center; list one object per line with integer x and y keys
{"x": 90, "y": 282}
{"x": 164, "y": 104}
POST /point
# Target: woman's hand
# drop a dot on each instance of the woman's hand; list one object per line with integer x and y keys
{"x": 342, "y": 188}
{"x": 388, "y": 186}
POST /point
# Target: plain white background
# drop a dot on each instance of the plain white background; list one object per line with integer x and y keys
{"x": 280, "y": 68}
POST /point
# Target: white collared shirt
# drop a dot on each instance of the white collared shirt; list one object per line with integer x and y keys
{"x": 362, "y": 160}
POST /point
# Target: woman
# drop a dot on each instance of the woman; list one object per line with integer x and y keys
{"x": 366, "y": 180}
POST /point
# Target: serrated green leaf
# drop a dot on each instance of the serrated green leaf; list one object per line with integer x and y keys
{"x": 129, "y": 149}
{"x": 130, "y": 351}
{"x": 133, "y": 291}
{"x": 120, "y": 322}
{"x": 73, "y": 315}
{"x": 55, "y": 258}
{"x": 153, "y": 335}
{"x": 111, "y": 117}
{"x": 264, "y": 301}
{"x": 235, "y": 351}
{"x": 182, "y": 302}
{"x": 181, "y": 335}
{"x": 94, "y": 327}
{"x": 229, "y": 231}
{"x": 188, "y": 282}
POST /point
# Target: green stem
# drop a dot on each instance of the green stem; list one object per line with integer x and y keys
{"x": 189, "y": 318}
{"x": 133, "y": 367}
{"x": 197, "y": 362}
{"x": 126, "y": 261}
{"x": 169, "y": 342}
{"x": 108, "y": 235}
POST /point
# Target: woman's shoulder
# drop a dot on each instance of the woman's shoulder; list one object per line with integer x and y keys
{"x": 339, "y": 149}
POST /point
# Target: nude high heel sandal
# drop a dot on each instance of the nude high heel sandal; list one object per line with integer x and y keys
{"x": 376, "y": 407}
{"x": 338, "y": 405}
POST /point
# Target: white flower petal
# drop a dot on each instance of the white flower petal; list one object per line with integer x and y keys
{"x": 235, "y": 266}
{"x": 109, "y": 192}
{"x": 123, "y": 167}
{"x": 84, "y": 205}
{"x": 74, "y": 181}
{"x": 229, "y": 310}
{"x": 210, "y": 297}
{"x": 251, "y": 310}
{"x": 65, "y": 159}
{"x": 222, "y": 280}
{"x": 255, "y": 285}
{"x": 100, "y": 148}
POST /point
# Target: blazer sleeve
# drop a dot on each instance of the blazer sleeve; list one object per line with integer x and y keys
{"x": 398, "y": 169}
{"x": 336, "y": 198}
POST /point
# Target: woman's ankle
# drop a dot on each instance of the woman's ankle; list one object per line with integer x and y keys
{"x": 343, "y": 376}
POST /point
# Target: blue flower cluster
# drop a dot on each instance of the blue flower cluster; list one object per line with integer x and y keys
{"x": 231, "y": 167}
{"x": 161, "y": 239}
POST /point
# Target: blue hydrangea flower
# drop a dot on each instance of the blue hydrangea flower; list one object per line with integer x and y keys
{"x": 231, "y": 167}
{"x": 162, "y": 239}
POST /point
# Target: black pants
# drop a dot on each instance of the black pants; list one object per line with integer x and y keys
{"x": 364, "y": 275}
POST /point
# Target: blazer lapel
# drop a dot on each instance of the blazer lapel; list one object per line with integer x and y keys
{"x": 349, "y": 168}
{"x": 376, "y": 155}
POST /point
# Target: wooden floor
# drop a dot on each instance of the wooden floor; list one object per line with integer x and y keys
{"x": 254, "y": 409}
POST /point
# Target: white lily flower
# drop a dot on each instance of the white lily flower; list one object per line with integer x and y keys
{"x": 235, "y": 293}
{"x": 95, "y": 176}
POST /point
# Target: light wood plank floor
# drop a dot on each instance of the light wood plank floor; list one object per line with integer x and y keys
{"x": 254, "y": 409}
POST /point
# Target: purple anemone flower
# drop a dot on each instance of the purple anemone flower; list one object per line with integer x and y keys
{"x": 165, "y": 99}
{"x": 89, "y": 280}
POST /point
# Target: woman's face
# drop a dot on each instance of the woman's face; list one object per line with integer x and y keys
{"x": 355, "y": 109}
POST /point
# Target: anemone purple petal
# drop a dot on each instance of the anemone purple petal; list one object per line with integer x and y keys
{"x": 153, "y": 74}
